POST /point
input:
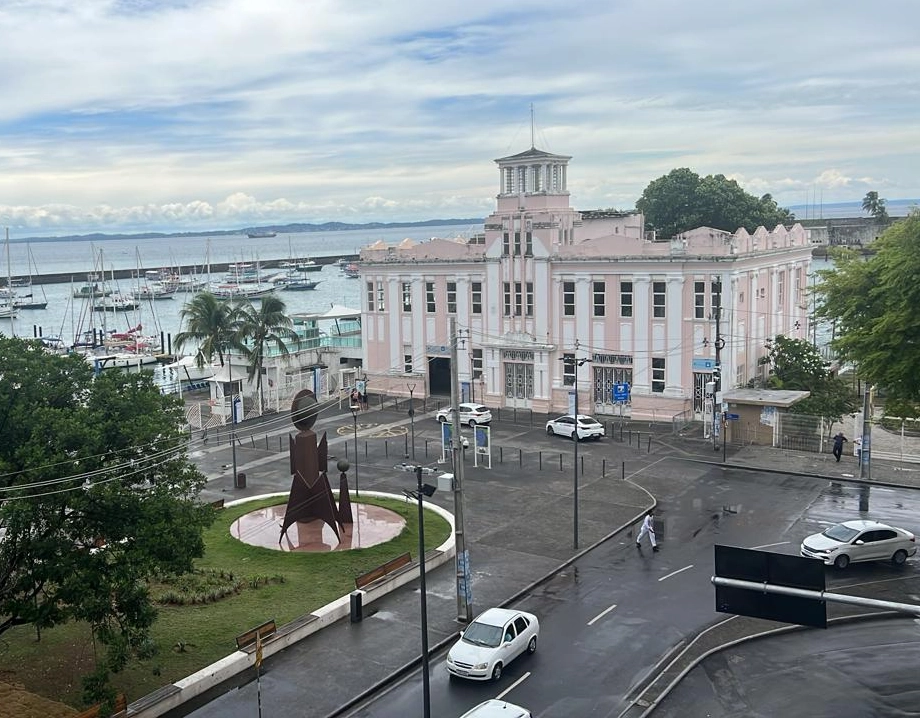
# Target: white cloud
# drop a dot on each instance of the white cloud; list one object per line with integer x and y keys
{"x": 143, "y": 114}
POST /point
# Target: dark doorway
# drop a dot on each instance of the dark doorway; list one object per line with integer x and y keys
{"x": 439, "y": 376}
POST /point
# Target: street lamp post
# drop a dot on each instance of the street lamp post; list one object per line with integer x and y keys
{"x": 412, "y": 416}
{"x": 355, "y": 408}
{"x": 421, "y": 491}
{"x": 236, "y": 477}
{"x": 574, "y": 362}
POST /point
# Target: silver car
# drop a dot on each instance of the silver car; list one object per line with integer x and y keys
{"x": 860, "y": 540}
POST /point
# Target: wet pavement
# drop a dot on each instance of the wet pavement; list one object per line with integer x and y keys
{"x": 518, "y": 520}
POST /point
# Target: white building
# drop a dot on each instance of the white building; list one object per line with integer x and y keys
{"x": 546, "y": 284}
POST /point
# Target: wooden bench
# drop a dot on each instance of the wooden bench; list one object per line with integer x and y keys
{"x": 266, "y": 630}
{"x": 219, "y": 504}
{"x": 365, "y": 579}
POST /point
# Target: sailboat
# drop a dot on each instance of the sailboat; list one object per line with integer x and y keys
{"x": 7, "y": 309}
{"x": 29, "y": 300}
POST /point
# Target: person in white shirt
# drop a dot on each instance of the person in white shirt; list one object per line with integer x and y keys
{"x": 648, "y": 528}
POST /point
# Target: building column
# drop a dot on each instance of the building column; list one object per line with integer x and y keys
{"x": 642, "y": 340}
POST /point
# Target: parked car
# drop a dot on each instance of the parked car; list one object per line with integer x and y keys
{"x": 494, "y": 639}
{"x": 497, "y": 709}
{"x": 470, "y": 414}
{"x": 587, "y": 427}
{"x": 859, "y": 540}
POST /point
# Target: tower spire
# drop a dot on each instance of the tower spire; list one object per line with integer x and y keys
{"x": 533, "y": 144}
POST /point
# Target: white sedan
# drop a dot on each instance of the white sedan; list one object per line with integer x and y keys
{"x": 587, "y": 427}
{"x": 497, "y": 709}
{"x": 491, "y": 642}
{"x": 860, "y": 540}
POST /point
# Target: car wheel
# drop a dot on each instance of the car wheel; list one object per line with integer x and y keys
{"x": 497, "y": 672}
{"x": 842, "y": 561}
{"x": 532, "y": 646}
{"x": 900, "y": 556}
{"x": 550, "y": 431}
{"x": 472, "y": 423}
{"x": 575, "y": 436}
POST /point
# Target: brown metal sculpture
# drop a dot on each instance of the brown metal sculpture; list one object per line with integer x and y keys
{"x": 345, "y": 516}
{"x": 311, "y": 496}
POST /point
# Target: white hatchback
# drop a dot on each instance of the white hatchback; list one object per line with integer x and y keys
{"x": 470, "y": 414}
{"x": 587, "y": 427}
{"x": 860, "y": 540}
{"x": 491, "y": 642}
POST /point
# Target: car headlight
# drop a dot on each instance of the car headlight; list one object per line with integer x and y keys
{"x": 449, "y": 659}
{"x": 481, "y": 666}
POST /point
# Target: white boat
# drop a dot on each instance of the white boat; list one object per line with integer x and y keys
{"x": 352, "y": 271}
{"x": 154, "y": 290}
{"x": 7, "y": 311}
{"x": 308, "y": 265}
{"x": 115, "y": 303}
{"x": 230, "y": 290}
{"x": 120, "y": 360}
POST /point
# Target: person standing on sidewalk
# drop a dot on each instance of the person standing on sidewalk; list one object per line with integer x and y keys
{"x": 648, "y": 528}
{"x": 838, "y": 445}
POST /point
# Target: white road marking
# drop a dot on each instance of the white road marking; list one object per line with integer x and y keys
{"x": 601, "y": 615}
{"x": 514, "y": 685}
{"x": 770, "y": 545}
{"x": 674, "y": 573}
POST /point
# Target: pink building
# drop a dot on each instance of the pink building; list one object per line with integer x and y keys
{"x": 546, "y": 286}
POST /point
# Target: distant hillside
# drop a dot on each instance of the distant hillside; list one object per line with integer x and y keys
{"x": 279, "y": 228}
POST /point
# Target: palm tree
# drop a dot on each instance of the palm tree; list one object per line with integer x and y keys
{"x": 875, "y": 205}
{"x": 212, "y": 323}
{"x": 257, "y": 327}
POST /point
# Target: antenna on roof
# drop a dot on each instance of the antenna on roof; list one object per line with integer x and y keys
{"x": 532, "y": 143}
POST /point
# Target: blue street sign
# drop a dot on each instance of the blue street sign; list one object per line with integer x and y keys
{"x": 732, "y": 417}
{"x": 620, "y": 391}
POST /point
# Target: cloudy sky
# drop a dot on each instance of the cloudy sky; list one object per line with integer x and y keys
{"x": 132, "y": 115}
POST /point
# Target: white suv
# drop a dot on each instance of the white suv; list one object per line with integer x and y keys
{"x": 470, "y": 414}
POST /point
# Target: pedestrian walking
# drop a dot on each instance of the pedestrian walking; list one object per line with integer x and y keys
{"x": 838, "y": 445}
{"x": 648, "y": 528}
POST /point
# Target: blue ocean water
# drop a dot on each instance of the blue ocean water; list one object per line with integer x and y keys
{"x": 67, "y": 317}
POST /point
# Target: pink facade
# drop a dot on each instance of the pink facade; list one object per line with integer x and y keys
{"x": 546, "y": 283}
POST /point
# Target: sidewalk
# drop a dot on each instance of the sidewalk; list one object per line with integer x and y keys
{"x": 518, "y": 522}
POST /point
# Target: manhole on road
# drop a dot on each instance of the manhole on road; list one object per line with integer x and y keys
{"x": 373, "y": 431}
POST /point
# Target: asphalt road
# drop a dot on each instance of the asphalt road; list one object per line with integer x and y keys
{"x": 608, "y": 621}
{"x": 861, "y": 670}
{"x": 614, "y": 614}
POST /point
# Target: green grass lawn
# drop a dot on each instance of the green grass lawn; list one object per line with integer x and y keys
{"x": 193, "y": 636}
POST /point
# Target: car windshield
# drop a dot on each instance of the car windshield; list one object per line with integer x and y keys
{"x": 481, "y": 634}
{"x": 840, "y": 533}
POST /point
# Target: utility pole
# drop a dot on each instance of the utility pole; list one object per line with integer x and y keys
{"x": 411, "y": 416}
{"x": 426, "y": 689}
{"x": 717, "y": 374}
{"x": 464, "y": 575}
{"x": 865, "y": 449}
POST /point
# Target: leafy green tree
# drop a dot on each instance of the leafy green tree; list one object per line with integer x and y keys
{"x": 874, "y": 302}
{"x": 97, "y": 496}
{"x": 258, "y": 328}
{"x": 797, "y": 365}
{"x": 682, "y": 200}
{"x": 876, "y": 206}
{"x": 211, "y": 324}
